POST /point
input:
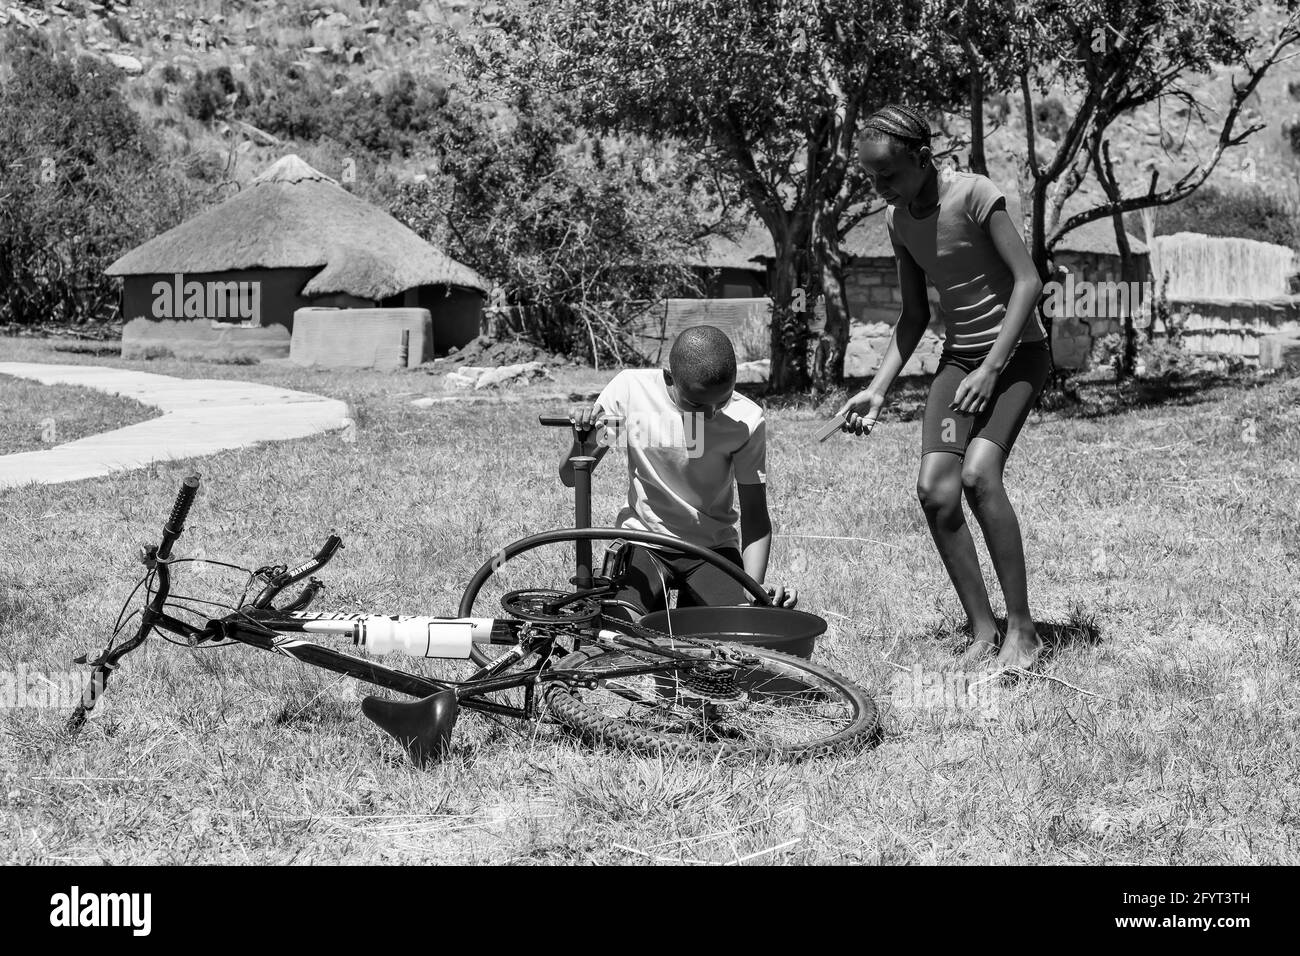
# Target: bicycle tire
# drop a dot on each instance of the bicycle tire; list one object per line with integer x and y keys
{"x": 568, "y": 705}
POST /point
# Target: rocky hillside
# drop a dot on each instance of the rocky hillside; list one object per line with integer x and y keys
{"x": 159, "y": 46}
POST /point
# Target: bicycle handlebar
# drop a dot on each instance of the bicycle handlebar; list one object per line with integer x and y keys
{"x": 292, "y": 575}
{"x": 159, "y": 561}
{"x": 180, "y": 511}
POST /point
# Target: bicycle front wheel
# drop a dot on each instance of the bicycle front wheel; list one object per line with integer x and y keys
{"x": 781, "y": 707}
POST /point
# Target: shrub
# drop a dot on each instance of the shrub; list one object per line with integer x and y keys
{"x": 213, "y": 94}
{"x": 1051, "y": 117}
{"x": 575, "y": 238}
{"x": 82, "y": 185}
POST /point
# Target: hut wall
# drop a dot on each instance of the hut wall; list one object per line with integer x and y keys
{"x": 278, "y": 294}
{"x": 457, "y": 314}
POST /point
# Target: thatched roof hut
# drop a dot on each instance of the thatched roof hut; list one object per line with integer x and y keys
{"x": 306, "y": 241}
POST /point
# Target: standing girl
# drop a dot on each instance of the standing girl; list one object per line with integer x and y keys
{"x": 955, "y": 232}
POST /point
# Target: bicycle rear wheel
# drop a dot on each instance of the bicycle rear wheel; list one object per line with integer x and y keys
{"x": 781, "y": 707}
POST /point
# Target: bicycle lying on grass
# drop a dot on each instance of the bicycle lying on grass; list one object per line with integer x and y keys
{"x": 613, "y": 681}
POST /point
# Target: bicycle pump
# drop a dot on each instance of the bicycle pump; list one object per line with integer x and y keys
{"x": 582, "y": 508}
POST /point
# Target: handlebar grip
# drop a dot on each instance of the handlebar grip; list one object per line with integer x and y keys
{"x": 329, "y": 549}
{"x": 554, "y": 421}
{"x": 181, "y": 510}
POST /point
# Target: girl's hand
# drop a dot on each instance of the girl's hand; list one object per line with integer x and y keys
{"x": 862, "y": 411}
{"x": 975, "y": 391}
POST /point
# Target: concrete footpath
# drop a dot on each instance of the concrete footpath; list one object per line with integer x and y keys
{"x": 200, "y": 417}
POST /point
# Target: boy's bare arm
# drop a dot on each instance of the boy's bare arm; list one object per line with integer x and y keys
{"x": 756, "y": 540}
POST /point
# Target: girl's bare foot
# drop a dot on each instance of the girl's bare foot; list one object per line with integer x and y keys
{"x": 983, "y": 647}
{"x": 1020, "y": 648}
{"x": 977, "y": 653}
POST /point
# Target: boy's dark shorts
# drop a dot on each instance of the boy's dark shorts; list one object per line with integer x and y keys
{"x": 698, "y": 583}
{"x": 1000, "y": 422}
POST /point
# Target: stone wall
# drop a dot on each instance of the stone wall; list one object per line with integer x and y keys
{"x": 1235, "y": 327}
{"x": 203, "y": 339}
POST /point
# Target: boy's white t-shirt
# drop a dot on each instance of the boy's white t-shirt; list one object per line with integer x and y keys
{"x": 681, "y": 467}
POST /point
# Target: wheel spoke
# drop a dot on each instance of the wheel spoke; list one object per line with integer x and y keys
{"x": 775, "y": 705}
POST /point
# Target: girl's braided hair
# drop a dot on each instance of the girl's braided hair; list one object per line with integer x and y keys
{"x": 901, "y": 123}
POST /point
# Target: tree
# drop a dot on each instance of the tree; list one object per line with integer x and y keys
{"x": 772, "y": 91}
{"x": 81, "y": 183}
{"x": 579, "y": 232}
{"x": 1113, "y": 58}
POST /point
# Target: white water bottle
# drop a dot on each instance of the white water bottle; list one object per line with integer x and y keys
{"x": 416, "y": 636}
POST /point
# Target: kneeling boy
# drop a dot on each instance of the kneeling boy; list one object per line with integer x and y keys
{"x": 689, "y": 438}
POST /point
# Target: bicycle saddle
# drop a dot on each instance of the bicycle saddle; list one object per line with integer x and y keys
{"x": 422, "y": 726}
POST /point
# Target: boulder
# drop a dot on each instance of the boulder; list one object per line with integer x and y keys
{"x": 126, "y": 63}
{"x": 506, "y": 373}
{"x": 1279, "y": 351}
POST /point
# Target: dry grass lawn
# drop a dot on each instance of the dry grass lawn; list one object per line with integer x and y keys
{"x": 1163, "y": 551}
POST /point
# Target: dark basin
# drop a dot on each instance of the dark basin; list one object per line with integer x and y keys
{"x": 781, "y": 629}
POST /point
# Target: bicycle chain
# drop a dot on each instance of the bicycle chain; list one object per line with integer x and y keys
{"x": 726, "y": 653}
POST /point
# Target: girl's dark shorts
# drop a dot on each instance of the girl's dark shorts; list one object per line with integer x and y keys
{"x": 1005, "y": 414}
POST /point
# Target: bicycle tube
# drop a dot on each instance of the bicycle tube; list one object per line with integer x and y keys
{"x": 562, "y": 535}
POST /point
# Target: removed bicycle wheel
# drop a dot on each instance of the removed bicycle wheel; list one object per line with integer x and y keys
{"x": 778, "y": 707}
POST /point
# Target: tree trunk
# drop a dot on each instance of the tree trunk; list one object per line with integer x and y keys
{"x": 1127, "y": 275}
{"x": 978, "y": 163}
{"x": 830, "y": 337}
{"x": 791, "y": 298}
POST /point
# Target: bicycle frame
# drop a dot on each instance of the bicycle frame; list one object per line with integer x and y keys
{"x": 261, "y": 625}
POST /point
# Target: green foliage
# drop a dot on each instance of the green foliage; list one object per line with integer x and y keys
{"x": 771, "y": 93}
{"x": 296, "y": 102}
{"x": 1292, "y": 133}
{"x": 579, "y": 233}
{"x": 1051, "y": 117}
{"x": 83, "y": 183}
{"x": 213, "y": 94}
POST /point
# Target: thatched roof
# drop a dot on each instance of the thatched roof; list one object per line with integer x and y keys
{"x": 292, "y": 216}
{"x": 749, "y": 251}
{"x": 869, "y": 239}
